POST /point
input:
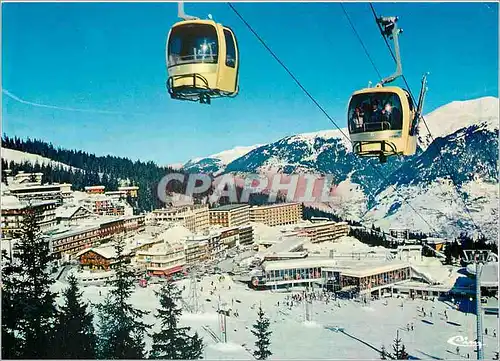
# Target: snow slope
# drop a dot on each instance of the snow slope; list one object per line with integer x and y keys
{"x": 216, "y": 163}
{"x": 227, "y": 156}
{"x": 17, "y": 156}
{"x": 481, "y": 113}
{"x": 367, "y": 327}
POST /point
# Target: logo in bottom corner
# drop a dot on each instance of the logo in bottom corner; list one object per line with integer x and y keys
{"x": 462, "y": 341}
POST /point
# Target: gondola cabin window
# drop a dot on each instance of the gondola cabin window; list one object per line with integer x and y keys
{"x": 373, "y": 112}
{"x": 193, "y": 44}
{"x": 230, "y": 49}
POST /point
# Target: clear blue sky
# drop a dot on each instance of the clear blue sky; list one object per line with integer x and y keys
{"x": 111, "y": 57}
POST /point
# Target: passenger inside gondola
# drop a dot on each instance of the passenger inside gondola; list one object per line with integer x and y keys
{"x": 392, "y": 115}
{"x": 375, "y": 111}
{"x": 374, "y": 117}
{"x": 357, "y": 120}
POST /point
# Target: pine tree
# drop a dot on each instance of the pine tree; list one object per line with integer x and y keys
{"x": 397, "y": 346}
{"x": 403, "y": 355}
{"x": 121, "y": 330}
{"x": 399, "y": 349}
{"x": 28, "y": 305}
{"x": 75, "y": 331}
{"x": 261, "y": 331}
{"x": 172, "y": 342}
{"x": 383, "y": 353}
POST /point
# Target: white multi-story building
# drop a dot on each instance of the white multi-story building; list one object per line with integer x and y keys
{"x": 14, "y": 210}
{"x": 323, "y": 231}
{"x": 163, "y": 259}
{"x": 230, "y": 215}
{"x": 193, "y": 217}
{"x": 276, "y": 214}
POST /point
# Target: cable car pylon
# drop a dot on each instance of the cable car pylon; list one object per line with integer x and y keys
{"x": 383, "y": 120}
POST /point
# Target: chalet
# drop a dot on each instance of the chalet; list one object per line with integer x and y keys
{"x": 99, "y": 258}
{"x": 70, "y": 215}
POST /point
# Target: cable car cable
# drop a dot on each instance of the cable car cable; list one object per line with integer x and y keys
{"x": 427, "y": 127}
{"x": 361, "y": 41}
{"x": 316, "y": 103}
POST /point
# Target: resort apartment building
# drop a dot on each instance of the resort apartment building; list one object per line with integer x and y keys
{"x": 196, "y": 250}
{"x": 41, "y": 192}
{"x": 67, "y": 241}
{"x": 106, "y": 205}
{"x": 13, "y": 212}
{"x": 193, "y": 217}
{"x": 246, "y": 235}
{"x": 323, "y": 231}
{"x": 230, "y": 215}
{"x": 277, "y": 214}
{"x": 29, "y": 187}
{"x": 162, "y": 259}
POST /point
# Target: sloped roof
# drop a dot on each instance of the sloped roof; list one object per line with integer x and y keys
{"x": 69, "y": 211}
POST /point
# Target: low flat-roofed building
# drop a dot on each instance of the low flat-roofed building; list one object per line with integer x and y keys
{"x": 94, "y": 189}
{"x": 436, "y": 243}
{"x": 116, "y": 195}
{"x": 69, "y": 240}
{"x": 285, "y": 245}
{"x": 364, "y": 276}
{"x": 400, "y": 233}
{"x": 319, "y": 232}
{"x": 230, "y": 215}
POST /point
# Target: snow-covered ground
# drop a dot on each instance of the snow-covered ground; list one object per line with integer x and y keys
{"x": 16, "y": 156}
{"x": 344, "y": 246}
{"x": 366, "y": 327}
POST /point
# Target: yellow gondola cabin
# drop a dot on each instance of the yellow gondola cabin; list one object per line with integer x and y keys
{"x": 202, "y": 61}
{"x": 381, "y": 122}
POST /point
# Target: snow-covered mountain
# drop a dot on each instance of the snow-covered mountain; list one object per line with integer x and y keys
{"x": 481, "y": 112}
{"x": 216, "y": 163}
{"x": 416, "y": 192}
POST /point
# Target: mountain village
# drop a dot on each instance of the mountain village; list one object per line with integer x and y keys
{"x": 220, "y": 254}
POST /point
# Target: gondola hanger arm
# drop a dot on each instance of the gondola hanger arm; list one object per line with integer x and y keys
{"x": 181, "y": 14}
{"x": 389, "y": 28}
